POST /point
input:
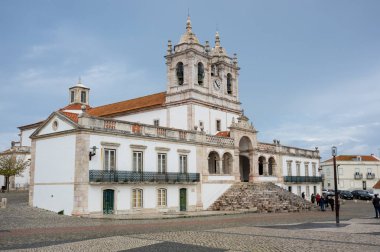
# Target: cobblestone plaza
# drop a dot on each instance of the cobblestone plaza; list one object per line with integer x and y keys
{"x": 27, "y": 229}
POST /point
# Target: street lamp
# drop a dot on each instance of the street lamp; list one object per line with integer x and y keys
{"x": 334, "y": 153}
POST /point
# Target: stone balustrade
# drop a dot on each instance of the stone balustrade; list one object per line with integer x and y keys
{"x": 139, "y": 129}
{"x": 285, "y": 150}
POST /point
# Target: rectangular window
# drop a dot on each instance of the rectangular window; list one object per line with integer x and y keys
{"x": 307, "y": 191}
{"x": 357, "y": 171}
{"x": 183, "y": 163}
{"x": 109, "y": 159}
{"x": 289, "y": 188}
{"x": 306, "y": 170}
{"x": 314, "y": 167}
{"x": 369, "y": 171}
{"x": 161, "y": 197}
{"x": 298, "y": 169}
{"x": 137, "y": 161}
{"x": 289, "y": 166}
{"x": 83, "y": 97}
{"x": 315, "y": 190}
{"x": 218, "y": 125}
{"x": 299, "y": 190}
{"x": 340, "y": 171}
{"x": 156, "y": 122}
{"x": 161, "y": 162}
{"x": 137, "y": 198}
{"x": 72, "y": 96}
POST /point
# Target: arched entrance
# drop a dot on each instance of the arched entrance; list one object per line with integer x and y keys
{"x": 245, "y": 149}
{"x": 227, "y": 163}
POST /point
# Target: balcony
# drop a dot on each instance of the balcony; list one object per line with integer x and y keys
{"x": 370, "y": 176}
{"x": 303, "y": 179}
{"x": 358, "y": 176}
{"x": 138, "y": 177}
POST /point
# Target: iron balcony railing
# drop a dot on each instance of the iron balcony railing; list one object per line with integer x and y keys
{"x": 370, "y": 175}
{"x": 303, "y": 179}
{"x": 131, "y": 176}
{"x": 358, "y": 175}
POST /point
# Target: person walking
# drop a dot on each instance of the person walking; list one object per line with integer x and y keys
{"x": 318, "y": 199}
{"x": 376, "y": 205}
{"x": 303, "y": 195}
{"x": 322, "y": 204}
{"x": 331, "y": 203}
{"x": 312, "y": 197}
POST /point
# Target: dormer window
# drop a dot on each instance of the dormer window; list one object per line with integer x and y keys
{"x": 180, "y": 73}
{"x": 83, "y": 96}
{"x": 72, "y": 95}
{"x": 229, "y": 83}
{"x": 201, "y": 73}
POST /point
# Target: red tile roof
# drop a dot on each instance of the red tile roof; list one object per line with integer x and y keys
{"x": 353, "y": 158}
{"x": 223, "y": 134}
{"x": 145, "y": 102}
{"x": 74, "y": 106}
{"x": 377, "y": 185}
{"x": 72, "y": 116}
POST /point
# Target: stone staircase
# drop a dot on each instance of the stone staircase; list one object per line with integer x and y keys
{"x": 266, "y": 197}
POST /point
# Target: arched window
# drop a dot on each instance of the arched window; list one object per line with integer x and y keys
{"x": 161, "y": 197}
{"x": 271, "y": 166}
{"x": 201, "y": 73}
{"x": 261, "y": 165}
{"x": 213, "y": 163}
{"x": 180, "y": 73}
{"x": 229, "y": 83}
{"x": 137, "y": 198}
{"x": 227, "y": 163}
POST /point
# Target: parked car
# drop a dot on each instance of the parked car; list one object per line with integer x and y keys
{"x": 328, "y": 192}
{"x": 346, "y": 195}
{"x": 361, "y": 194}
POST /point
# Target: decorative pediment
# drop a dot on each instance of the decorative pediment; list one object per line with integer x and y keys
{"x": 55, "y": 123}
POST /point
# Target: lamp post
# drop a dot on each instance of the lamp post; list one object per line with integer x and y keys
{"x": 334, "y": 153}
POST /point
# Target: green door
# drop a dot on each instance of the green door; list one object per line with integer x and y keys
{"x": 182, "y": 199}
{"x": 108, "y": 199}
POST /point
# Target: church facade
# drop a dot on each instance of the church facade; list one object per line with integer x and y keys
{"x": 178, "y": 150}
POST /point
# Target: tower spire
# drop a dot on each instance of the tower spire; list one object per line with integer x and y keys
{"x": 188, "y": 24}
{"x": 217, "y": 39}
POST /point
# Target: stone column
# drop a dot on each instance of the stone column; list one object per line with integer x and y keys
{"x": 265, "y": 168}
{"x": 236, "y": 166}
{"x": 32, "y": 171}
{"x": 81, "y": 174}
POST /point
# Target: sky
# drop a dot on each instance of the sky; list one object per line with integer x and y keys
{"x": 310, "y": 70}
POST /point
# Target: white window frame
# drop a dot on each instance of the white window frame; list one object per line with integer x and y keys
{"x": 183, "y": 163}
{"x": 162, "y": 163}
{"x": 137, "y": 198}
{"x": 137, "y": 164}
{"x": 298, "y": 169}
{"x": 314, "y": 169}
{"x": 306, "y": 169}
{"x": 107, "y": 159}
{"x": 289, "y": 167}
{"x": 162, "y": 197}
{"x": 218, "y": 125}
{"x": 83, "y": 97}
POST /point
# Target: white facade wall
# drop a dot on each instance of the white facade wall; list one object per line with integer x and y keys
{"x": 345, "y": 175}
{"x": 54, "y": 197}
{"x": 25, "y": 134}
{"x": 178, "y": 117}
{"x": 62, "y": 126}
{"x": 54, "y": 174}
{"x": 147, "y": 117}
{"x": 123, "y": 197}
{"x": 302, "y": 161}
{"x": 124, "y": 152}
{"x": 209, "y": 116}
{"x": 211, "y": 192}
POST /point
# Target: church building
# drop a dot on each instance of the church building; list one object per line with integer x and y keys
{"x": 178, "y": 150}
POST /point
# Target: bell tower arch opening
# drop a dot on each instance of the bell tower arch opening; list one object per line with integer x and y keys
{"x": 245, "y": 157}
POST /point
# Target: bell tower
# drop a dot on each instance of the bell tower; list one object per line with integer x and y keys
{"x": 197, "y": 73}
{"x": 79, "y": 94}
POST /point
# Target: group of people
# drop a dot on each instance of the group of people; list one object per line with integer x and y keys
{"x": 323, "y": 201}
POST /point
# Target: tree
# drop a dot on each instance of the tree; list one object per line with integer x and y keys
{"x": 12, "y": 165}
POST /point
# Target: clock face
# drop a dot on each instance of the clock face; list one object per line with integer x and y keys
{"x": 217, "y": 84}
